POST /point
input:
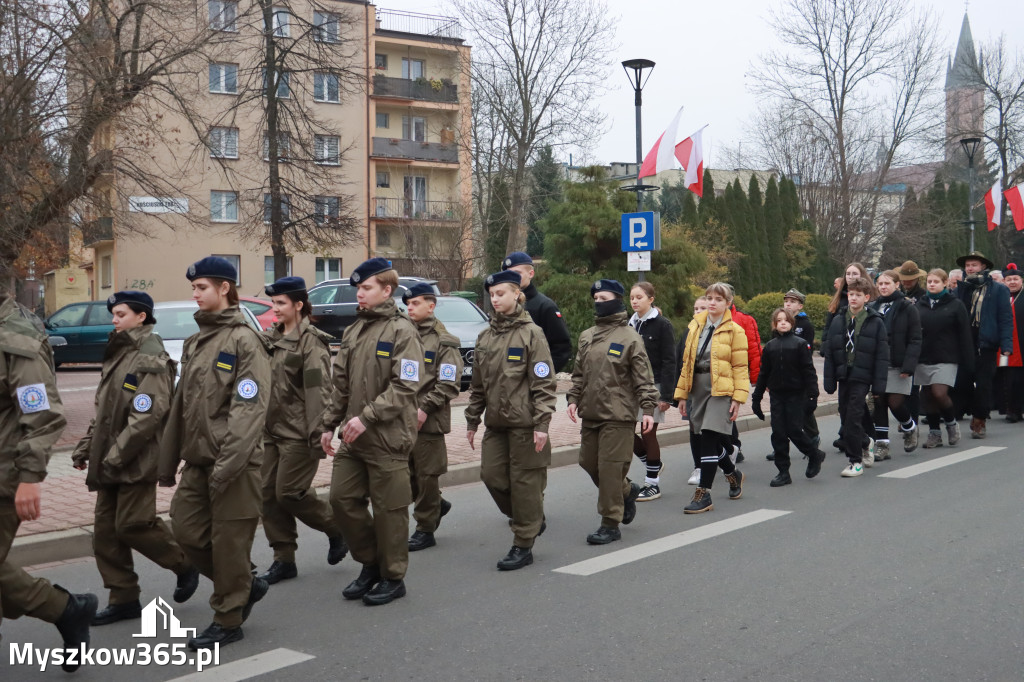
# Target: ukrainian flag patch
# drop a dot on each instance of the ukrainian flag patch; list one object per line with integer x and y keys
{"x": 515, "y": 354}
{"x": 428, "y": 356}
{"x": 384, "y": 349}
{"x": 615, "y": 350}
{"x": 226, "y": 362}
{"x": 130, "y": 383}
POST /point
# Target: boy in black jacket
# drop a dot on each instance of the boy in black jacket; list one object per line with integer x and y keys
{"x": 856, "y": 361}
{"x": 787, "y": 370}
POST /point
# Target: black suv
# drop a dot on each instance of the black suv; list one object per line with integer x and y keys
{"x": 334, "y": 302}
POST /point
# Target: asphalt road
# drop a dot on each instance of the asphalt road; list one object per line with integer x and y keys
{"x": 874, "y": 578}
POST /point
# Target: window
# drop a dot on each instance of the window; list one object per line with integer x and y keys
{"x": 325, "y": 27}
{"x": 223, "y": 14}
{"x": 325, "y": 209}
{"x": 383, "y": 179}
{"x": 283, "y": 80}
{"x": 414, "y": 128}
{"x": 223, "y": 143}
{"x": 412, "y": 68}
{"x": 380, "y": 61}
{"x": 268, "y": 272}
{"x": 280, "y": 17}
{"x": 383, "y": 237}
{"x": 415, "y": 195}
{"x": 284, "y": 146}
{"x": 327, "y": 268}
{"x": 223, "y": 206}
{"x": 224, "y": 78}
{"x": 327, "y": 149}
{"x": 106, "y": 272}
{"x": 286, "y": 207}
{"x": 326, "y": 87}
{"x": 236, "y": 261}
{"x": 74, "y": 315}
{"x": 383, "y": 120}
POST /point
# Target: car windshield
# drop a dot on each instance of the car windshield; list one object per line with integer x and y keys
{"x": 457, "y": 311}
{"x": 256, "y": 307}
{"x": 175, "y": 323}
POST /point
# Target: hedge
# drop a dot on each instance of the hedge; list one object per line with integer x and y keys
{"x": 761, "y": 306}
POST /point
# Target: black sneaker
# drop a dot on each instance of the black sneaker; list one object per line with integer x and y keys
{"x": 735, "y": 484}
{"x": 604, "y": 535}
{"x": 384, "y": 592}
{"x": 186, "y": 585}
{"x": 421, "y": 540}
{"x": 280, "y": 570}
{"x": 701, "y": 502}
{"x": 739, "y": 457}
{"x": 257, "y": 590}
{"x": 73, "y": 624}
{"x": 336, "y": 550}
{"x": 780, "y": 480}
{"x": 770, "y": 457}
{"x": 368, "y": 577}
{"x": 214, "y": 635}
{"x": 649, "y": 492}
{"x": 517, "y": 557}
{"x": 629, "y": 504}
{"x": 814, "y": 464}
{"x": 118, "y": 612}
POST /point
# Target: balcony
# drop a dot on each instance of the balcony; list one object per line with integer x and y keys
{"x": 96, "y": 231}
{"x": 419, "y": 24}
{"x": 415, "y": 209}
{"x": 393, "y": 148}
{"x": 420, "y": 89}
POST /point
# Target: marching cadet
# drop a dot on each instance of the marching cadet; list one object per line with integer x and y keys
{"x": 216, "y": 425}
{"x": 543, "y": 311}
{"x": 611, "y": 381}
{"x": 121, "y": 450}
{"x": 442, "y": 373}
{"x": 300, "y": 364}
{"x": 376, "y": 379}
{"x": 31, "y": 421}
{"x": 514, "y": 382}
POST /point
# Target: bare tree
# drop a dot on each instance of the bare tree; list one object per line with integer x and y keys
{"x": 537, "y": 67}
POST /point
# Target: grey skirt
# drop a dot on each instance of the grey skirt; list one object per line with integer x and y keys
{"x": 706, "y": 411}
{"x": 659, "y": 416}
{"x": 942, "y": 373}
{"x": 894, "y": 383}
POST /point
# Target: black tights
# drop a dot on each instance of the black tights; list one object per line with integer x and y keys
{"x": 714, "y": 449}
{"x": 897, "y": 404}
{"x": 937, "y": 403}
{"x": 648, "y": 450}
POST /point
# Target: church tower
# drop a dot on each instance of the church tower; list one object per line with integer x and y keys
{"x": 965, "y": 97}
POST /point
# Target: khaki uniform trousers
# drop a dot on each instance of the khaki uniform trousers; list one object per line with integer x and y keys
{"x": 516, "y": 476}
{"x": 125, "y": 520}
{"x": 606, "y": 450}
{"x": 288, "y": 470}
{"x": 216, "y": 533}
{"x": 427, "y": 461}
{"x": 20, "y": 593}
{"x": 359, "y": 479}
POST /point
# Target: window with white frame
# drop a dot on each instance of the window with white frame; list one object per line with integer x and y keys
{"x": 412, "y": 68}
{"x": 326, "y": 209}
{"x": 224, "y": 78}
{"x": 223, "y": 206}
{"x": 383, "y": 120}
{"x": 414, "y": 128}
{"x": 223, "y": 143}
{"x": 325, "y": 27}
{"x": 327, "y": 149}
{"x": 326, "y": 87}
{"x": 327, "y": 268}
{"x": 223, "y": 14}
{"x": 284, "y": 146}
{"x": 286, "y": 207}
{"x": 383, "y": 179}
{"x": 236, "y": 261}
{"x": 283, "y": 83}
{"x": 268, "y": 269}
{"x": 281, "y": 19}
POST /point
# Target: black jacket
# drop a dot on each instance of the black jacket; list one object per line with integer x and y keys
{"x": 545, "y": 314}
{"x": 870, "y": 354}
{"x": 786, "y": 367}
{"x": 916, "y": 294}
{"x": 946, "y": 332}
{"x": 903, "y": 327}
{"x": 829, "y": 316}
{"x": 804, "y": 328}
{"x": 659, "y": 342}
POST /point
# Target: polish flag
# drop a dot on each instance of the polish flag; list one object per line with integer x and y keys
{"x": 690, "y": 153}
{"x": 1016, "y": 202}
{"x": 660, "y": 157}
{"x": 994, "y": 205}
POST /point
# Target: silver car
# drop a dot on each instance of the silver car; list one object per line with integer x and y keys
{"x": 175, "y": 322}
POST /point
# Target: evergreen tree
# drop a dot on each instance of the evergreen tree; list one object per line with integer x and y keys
{"x": 898, "y": 245}
{"x": 708, "y": 209}
{"x": 775, "y": 237}
{"x": 671, "y": 199}
{"x": 496, "y": 227}
{"x": 545, "y": 190}
{"x": 689, "y": 213}
{"x": 762, "y": 266}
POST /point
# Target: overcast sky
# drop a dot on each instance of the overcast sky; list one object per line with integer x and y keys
{"x": 703, "y": 51}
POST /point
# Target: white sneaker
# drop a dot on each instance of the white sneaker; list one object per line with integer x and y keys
{"x": 869, "y": 454}
{"x": 852, "y": 470}
{"x": 694, "y": 477}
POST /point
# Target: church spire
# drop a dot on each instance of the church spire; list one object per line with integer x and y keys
{"x": 962, "y": 72}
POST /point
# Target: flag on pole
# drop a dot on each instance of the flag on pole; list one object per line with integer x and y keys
{"x": 690, "y": 153}
{"x": 1016, "y": 201}
{"x": 660, "y": 157}
{"x": 994, "y": 205}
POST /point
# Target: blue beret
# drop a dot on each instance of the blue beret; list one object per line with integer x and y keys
{"x": 503, "y": 277}
{"x": 611, "y": 285}
{"x": 212, "y": 266}
{"x": 516, "y": 258}
{"x": 418, "y": 289}
{"x": 285, "y": 285}
{"x": 139, "y": 297}
{"x": 369, "y": 268}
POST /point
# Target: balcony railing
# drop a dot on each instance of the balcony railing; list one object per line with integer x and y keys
{"x": 96, "y": 231}
{"x": 394, "y": 148}
{"x": 420, "y": 89}
{"x": 416, "y": 209}
{"x": 419, "y": 24}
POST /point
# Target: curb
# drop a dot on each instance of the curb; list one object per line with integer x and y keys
{"x": 74, "y": 543}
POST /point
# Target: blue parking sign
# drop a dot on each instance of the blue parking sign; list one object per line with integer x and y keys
{"x": 641, "y": 231}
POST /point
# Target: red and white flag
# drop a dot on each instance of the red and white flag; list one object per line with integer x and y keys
{"x": 1016, "y": 202}
{"x": 994, "y": 205}
{"x": 660, "y": 157}
{"x": 690, "y": 153}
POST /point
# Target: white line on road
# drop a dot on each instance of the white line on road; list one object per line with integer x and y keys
{"x": 62, "y": 391}
{"x": 245, "y": 668}
{"x": 669, "y": 542}
{"x": 925, "y": 467}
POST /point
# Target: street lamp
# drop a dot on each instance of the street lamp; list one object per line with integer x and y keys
{"x": 634, "y": 69}
{"x": 970, "y": 145}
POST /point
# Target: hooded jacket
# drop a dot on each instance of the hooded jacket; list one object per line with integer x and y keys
{"x": 945, "y": 332}
{"x": 996, "y": 328}
{"x": 442, "y": 375}
{"x": 787, "y": 367}
{"x": 300, "y": 367}
{"x": 903, "y": 328}
{"x": 749, "y": 325}
{"x": 729, "y": 374}
{"x": 870, "y": 353}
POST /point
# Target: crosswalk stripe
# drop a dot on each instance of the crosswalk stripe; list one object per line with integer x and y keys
{"x": 246, "y": 668}
{"x": 932, "y": 465}
{"x": 669, "y": 542}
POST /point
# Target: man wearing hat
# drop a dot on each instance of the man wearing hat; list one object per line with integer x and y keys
{"x": 911, "y": 279}
{"x": 988, "y": 309}
{"x": 543, "y": 311}
{"x": 442, "y": 374}
{"x": 1011, "y": 368}
{"x": 377, "y": 375}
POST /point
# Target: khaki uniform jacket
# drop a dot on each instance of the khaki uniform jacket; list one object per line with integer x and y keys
{"x": 729, "y": 374}
{"x": 300, "y": 364}
{"x": 132, "y": 403}
{"x": 442, "y": 375}
{"x": 377, "y": 374}
{"x": 612, "y": 377}
{"x": 513, "y": 377}
{"x": 219, "y": 409}
{"x": 31, "y": 413}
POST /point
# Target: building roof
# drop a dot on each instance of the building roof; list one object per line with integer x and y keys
{"x": 961, "y": 71}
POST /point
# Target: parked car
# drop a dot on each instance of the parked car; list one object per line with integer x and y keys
{"x": 175, "y": 322}
{"x": 85, "y": 327}
{"x": 465, "y": 320}
{"x": 334, "y": 302}
{"x": 261, "y": 308}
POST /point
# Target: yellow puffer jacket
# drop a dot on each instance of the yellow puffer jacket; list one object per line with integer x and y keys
{"x": 729, "y": 376}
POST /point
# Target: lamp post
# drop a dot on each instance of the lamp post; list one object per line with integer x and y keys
{"x": 970, "y": 145}
{"x": 634, "y": 69}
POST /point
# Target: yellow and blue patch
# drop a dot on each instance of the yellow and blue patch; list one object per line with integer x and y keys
{"x": 384, "y": 349}
{"x": 428, "y": 356}
{"x": 226, "y": 362}
{"x": 130, "y": 383}
{"x": 615, "y": 350}
{"x": 515, "y": 355}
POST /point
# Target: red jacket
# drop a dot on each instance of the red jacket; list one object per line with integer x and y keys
{"x": 749, "y": 325}
{"x": 1016, "y": 359}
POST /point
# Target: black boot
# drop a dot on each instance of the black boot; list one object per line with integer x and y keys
{"x": 336, "y": 550}
{"x": 73, "y": 624}
{"x": 115, "y": 612}
{"x": 814, "y": 464}
{"x": 280, "y": 570}
{"x": 368, "y": 577}
{"x": 735, "y": 484}
{"x": 186, "y": 585}
{"x": 421, "y": 540}
{"x": 384, "y": 592}
{"x": 629, "y": 504}
{"x": 781, "y": 480}
{"x": 604, "y": 535}
{"x": 517, "y": 557}
{"x": 213, "y": 635}
{"x": 257, "y": 590}
{"x": 446, "y": 507}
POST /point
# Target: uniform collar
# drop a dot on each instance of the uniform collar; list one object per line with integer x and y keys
{"x": 386, "y": 309}
{"x": 426, "y": 326}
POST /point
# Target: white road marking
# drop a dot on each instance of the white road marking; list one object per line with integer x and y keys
{"x": 948, "y": 460}
{"x": 669, "y": 542}
{"x": 62, "y": 391}
{"x": 245, "y": 668}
